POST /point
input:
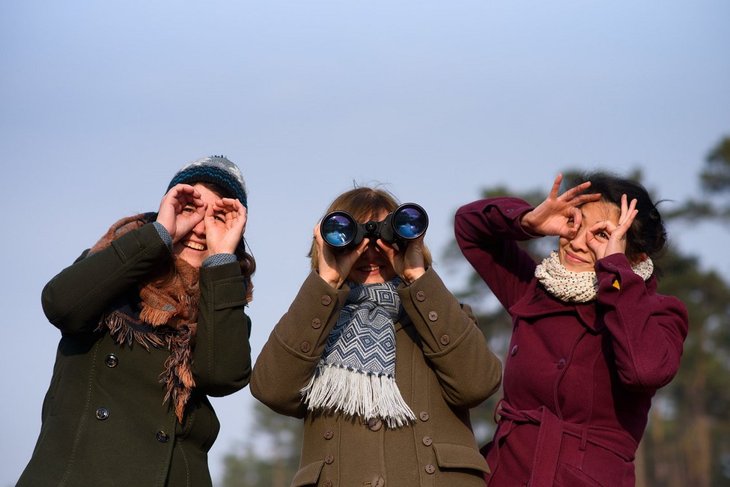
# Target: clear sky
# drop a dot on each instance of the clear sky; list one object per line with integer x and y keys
{"x": 101, "y": 102}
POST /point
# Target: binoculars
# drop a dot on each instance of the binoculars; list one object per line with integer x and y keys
{"x": 407, "y": 222}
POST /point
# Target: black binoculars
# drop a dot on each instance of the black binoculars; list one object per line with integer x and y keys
{"x": 407, "y": 222}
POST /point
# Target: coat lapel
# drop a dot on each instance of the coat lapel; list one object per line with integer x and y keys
{"x": 539, "y": 303}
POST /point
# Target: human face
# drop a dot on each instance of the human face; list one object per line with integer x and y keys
{"x": 193, "y": 247}
{"x": 575, "y": 254}
{"x": 373, "y": 266}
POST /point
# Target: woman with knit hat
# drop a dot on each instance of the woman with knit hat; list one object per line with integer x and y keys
{"x": 152, "y": 322}
{"x": 377, "y": 357}
{"x": 592, "y": 340}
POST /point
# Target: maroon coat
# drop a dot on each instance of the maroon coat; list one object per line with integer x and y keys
{"x": 578, "y": 378}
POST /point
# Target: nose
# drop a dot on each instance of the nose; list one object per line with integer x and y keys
{"x": 579, "y": 241}
{"x": 199, "y": 229}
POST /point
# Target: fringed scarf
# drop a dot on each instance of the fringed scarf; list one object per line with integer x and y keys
{"x": 356, "y": 374}
{"x": 167, "y": 317}
{"x": 577, "y": 287}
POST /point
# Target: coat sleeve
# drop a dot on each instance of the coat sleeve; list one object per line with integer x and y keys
{"x": 75, "y": 298}
{"x": 487, "y": 232}
{"x": 468, "y": 371}
{"x": 222, "y": 354}
{"x": 292, "y": 352}
{"x": 647, "y": 329}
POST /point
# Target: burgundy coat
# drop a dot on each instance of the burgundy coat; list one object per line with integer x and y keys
{"x": 578, "y": 378}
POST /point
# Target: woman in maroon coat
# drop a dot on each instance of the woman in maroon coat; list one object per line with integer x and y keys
{"x": 592, "y": 341}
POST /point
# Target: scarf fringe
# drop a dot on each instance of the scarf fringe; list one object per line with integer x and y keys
{"x": 354, "y": 393}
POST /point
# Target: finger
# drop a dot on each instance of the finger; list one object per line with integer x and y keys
{"x": 577, "y": 221}
{"x": 556, "y": 186}
{"x": 586, "y": 198}
{"x": 627, "y": 210}
{"x": 575, "y": 191}
{"x": 184, "y": 191}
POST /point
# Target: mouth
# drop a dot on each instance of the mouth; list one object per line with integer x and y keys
{"x": 194, "y": 245}
{"x": 571, "y": 259}
{"x": 369, "y": 268}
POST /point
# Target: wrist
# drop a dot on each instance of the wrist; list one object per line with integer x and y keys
{"x": 331, "y": 278}
{"x": 411, "y": 275}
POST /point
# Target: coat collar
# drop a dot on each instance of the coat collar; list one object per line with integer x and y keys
{"x": 539, "y": 303}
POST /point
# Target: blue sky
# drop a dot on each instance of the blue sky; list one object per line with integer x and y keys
{"x": 103, "y": 101}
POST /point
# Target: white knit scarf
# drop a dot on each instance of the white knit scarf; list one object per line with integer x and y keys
{"x": 577, "y": 287}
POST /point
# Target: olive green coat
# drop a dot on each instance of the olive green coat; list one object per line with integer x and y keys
{"x": 104, "y": 422}
{"x": 443, "y": 368}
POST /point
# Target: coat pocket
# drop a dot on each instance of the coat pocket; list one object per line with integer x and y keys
{"x": 308, "y": 474}
{"x": 450, "y": 456}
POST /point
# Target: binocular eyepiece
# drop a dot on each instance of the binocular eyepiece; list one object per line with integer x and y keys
{"x": 407, "y": 222}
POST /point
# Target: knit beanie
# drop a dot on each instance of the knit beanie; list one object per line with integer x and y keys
{"x": 217, "y": 170}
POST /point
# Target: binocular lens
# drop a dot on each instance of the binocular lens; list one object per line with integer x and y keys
{"x": 338, "y": 229}
{"x": 410, "y": 222}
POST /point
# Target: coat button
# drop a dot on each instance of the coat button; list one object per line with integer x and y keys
{"x": 424, "y": 416}
{"x": 162, "y": 437}
{"x": 329, "y": 434}
{"x": 328, "y": 483}
{"x": 316, "y": 323}
{"x": 375, "y": 424}
{"x": 433, "y": 316}
{"x": 102, "y": 414}
{"x": 305, "y": 347}
{"x": 111, "y": 360}
{"x": 326, "y": 300}
{"x": 329, "y": 459}
{"x": 514, "y": 350}
{"x": 445, "y": 339}
{"x": 427, "y": 440}
{"x": 379, "y": 482}
{"x": 561, "y": 363}
{"x": 420, "y": 296}
{"x": 430, "y": 469}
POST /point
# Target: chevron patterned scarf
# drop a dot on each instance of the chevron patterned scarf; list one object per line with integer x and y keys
{"x": 356, "y": 374}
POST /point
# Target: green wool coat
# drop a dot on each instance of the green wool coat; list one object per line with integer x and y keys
{"x": 104, "y": 422}
{"x": 443, "y": 368}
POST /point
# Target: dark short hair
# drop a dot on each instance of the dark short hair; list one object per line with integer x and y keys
{"x": 647, "y": 234}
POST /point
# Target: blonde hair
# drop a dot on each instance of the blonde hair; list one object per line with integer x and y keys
{"x": 362, "y": 203}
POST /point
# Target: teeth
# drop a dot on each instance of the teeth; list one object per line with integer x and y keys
{"x": 194, "y": 245}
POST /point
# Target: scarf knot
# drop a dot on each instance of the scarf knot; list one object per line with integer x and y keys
{"x": 356, "y": 373}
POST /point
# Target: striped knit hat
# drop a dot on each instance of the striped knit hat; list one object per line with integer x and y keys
{"x": 217, "y": 170}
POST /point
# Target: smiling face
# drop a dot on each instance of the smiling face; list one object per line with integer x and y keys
{"x": 193, "y": 247}
{"x": 575, "y": 254}
{"x": 373, "y": 266}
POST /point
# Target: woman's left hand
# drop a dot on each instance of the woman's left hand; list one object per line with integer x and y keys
{"x": 225, "y": 223}
{"x": 408, "y": 263}
{"x": 606, "y": 238}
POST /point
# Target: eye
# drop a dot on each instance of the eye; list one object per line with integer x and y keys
{"x": 571, "y": 221}
{"x": 189, "y": 208}
{"x": 602, "y": 235}
{"x": 220, "y": 217}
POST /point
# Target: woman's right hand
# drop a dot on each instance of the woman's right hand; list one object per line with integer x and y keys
{"x": 559, "y": 214}
{"x": 180, "y": 210}
{"x": 334, "y": 266}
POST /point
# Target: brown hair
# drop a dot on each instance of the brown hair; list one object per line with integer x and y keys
{"x": 362, "y": 203}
